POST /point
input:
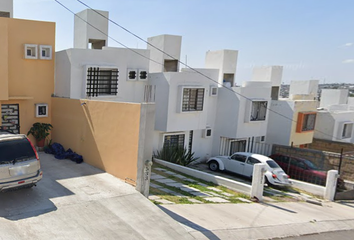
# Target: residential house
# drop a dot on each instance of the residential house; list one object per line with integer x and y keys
{"x": 26, "y": 69}
{"x": 185, "y": 101}
{"x": 335, "y": 117}
{"x": 292, "y": 120}
{"x": 92, "y": 70}
{"x": 241, "y": 117}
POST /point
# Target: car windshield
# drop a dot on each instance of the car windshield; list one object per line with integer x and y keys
{"x": 272, "y": 164}
{"x": 311, "y": 165}
{"x": 15, "y": 150}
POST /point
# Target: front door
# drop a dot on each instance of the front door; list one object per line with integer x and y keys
{"x": 10, "y": 117}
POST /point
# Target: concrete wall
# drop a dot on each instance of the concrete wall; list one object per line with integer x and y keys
{"x": 273, "y": 74}
{"x": 107, "y": 134}
{"x": 71, "y": 75}
{"x": 224, "y": 60}
{"x": 170, "y": 44}
{"x": 7, "y": 6}
{"x": 333, "y": 97}
{"x": 303, "y": 90}
{"x": 26, "y": 81}
{"x": 83, "y": 31}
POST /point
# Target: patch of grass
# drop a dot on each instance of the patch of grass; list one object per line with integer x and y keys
{"x": 173, "y": 189}
{"x": 156, "y": 165}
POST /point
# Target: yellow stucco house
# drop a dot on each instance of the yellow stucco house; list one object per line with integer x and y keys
{"x": 26, "y": 72}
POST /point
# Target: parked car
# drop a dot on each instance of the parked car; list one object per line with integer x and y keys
{"x": 19, "y": 162}
{"x": 242, "y": 164}
{"x": 303, "y": 169}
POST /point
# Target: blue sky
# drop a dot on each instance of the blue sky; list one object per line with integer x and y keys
{"x": 312, "y": 39}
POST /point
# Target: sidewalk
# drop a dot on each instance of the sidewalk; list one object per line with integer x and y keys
{"x": 232, "y": 219}
{"x": 261, "y": 220}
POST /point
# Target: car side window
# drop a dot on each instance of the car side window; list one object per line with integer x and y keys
{"x": 239, "y": 157}
{"x": 252, "y": 161}
{"x": 301, "y": 165}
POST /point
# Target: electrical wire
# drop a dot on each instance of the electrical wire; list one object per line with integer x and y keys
{"x": 167, "y": 54}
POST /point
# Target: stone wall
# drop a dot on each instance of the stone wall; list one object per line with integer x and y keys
{"x": 324, "y": 160}
{"x": 331, "y": 146}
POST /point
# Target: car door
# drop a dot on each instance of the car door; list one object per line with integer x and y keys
{"x": 236, "y": 163}
{"x": 248, "y": 168}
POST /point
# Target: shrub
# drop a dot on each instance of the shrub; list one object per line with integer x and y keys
{"x": 178, "y": 155}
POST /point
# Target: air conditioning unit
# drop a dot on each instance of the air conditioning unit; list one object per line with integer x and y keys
{"x": 207, "y": 133}
{"x": 213, "y": 90}
{"x": 142, "y": 75}
{"x": 132, "y": 74}
{"x": 260, "y": 139}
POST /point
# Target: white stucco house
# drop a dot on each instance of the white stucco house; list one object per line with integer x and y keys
{"x": 94, "y": 71}
{"x": 292, "y": 120}
{"x": 335, "y": 117}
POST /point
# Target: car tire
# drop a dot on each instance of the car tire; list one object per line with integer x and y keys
{"x": 266, "y": 181}
{"x": 213, "y": 165}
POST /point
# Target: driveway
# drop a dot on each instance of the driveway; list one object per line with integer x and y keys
{"x": 78, "y": 201}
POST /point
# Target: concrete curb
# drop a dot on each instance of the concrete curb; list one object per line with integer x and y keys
{"x": 236, "y": 186}
{"x": 279, "y": 231}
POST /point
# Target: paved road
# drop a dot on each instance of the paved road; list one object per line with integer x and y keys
{"x": 77, "y": 201}
{"x": 340, "y": 235}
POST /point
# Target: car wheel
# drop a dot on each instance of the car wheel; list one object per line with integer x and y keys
{"x": 266, "y": 181}
{"x": 213, "y": 165}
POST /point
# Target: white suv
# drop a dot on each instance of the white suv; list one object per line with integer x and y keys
{"x": 19, "y": 162}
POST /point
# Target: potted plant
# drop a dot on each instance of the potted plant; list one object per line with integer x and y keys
{"x": 40, "y": 131}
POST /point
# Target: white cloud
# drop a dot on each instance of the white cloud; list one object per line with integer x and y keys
{"x": 348, "y": 61}
{"x": 348, "y": 44}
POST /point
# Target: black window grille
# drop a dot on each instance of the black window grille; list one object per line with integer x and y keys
{"x": 101, "y": 81}
{"x": 190, "y": 143}
{"x": 174, "y": 141}
{"x": 193, "y": 99}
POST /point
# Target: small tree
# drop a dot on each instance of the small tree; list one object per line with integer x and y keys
{"x": 40, "y": 131}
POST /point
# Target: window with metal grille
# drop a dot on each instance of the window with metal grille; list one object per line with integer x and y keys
{"x": 193, "y": 99}
{"x": 259, "y": 110}
{"x": 190, "y": 142}
{"x": 102, "y": 81}
{"x": 174, "y": 140}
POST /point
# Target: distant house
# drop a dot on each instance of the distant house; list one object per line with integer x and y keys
{"x": 292, "y": 121}
{"x": 335, "y": 118}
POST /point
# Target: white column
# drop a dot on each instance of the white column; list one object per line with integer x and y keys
{"x": 331, "y": 185}
{"x": 258, "y": 181}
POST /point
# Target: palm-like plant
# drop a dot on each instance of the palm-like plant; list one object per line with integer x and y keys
{"x": 40, "y": 130}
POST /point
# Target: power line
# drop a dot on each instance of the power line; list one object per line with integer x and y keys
{"x": 167, "y": 54}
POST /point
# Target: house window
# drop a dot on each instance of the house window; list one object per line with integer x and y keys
{"x": 31, "y": 51}
{"x": 347, "y": 130}
{"x": 306, "y": 122}
{"x": 101, "y": 81}
{"x": 193, "y": 99}
{"x": 259, "y": 110}
{"x": 45, "y": 52}
{"x": 41, "y": 110}
{"x": 4, "y": 14}
{"x": 174, "y": 140}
